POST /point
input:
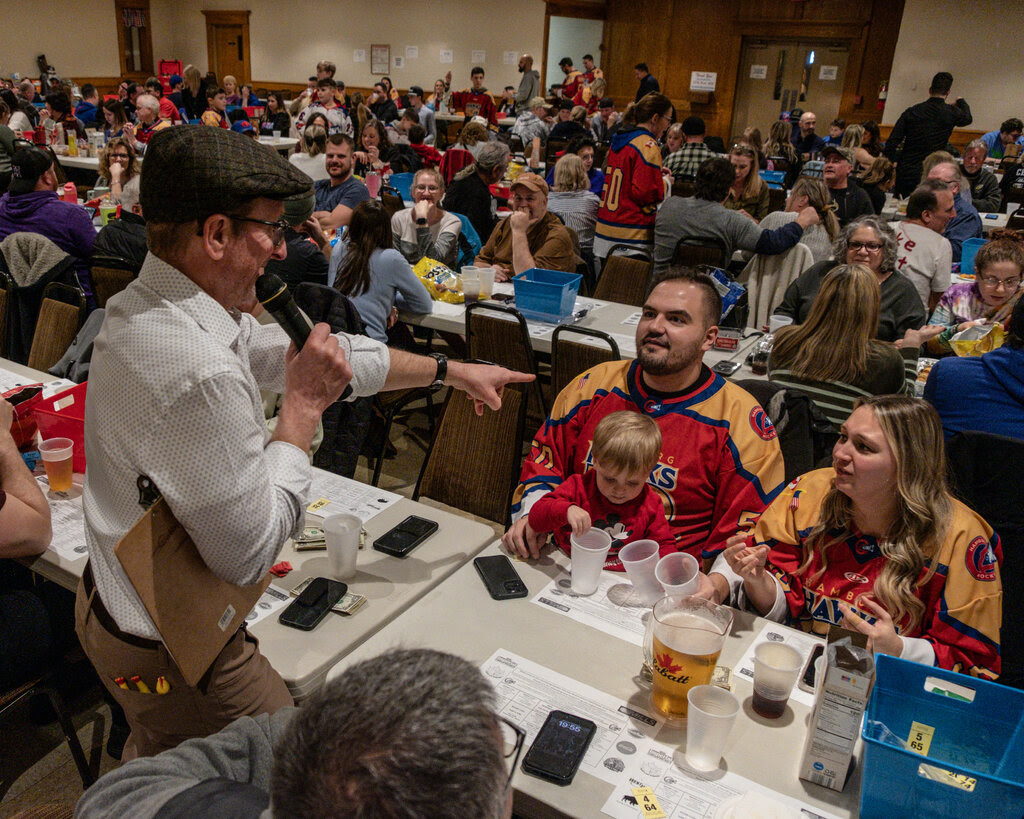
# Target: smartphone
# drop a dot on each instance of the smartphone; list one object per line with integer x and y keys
{"x": 505, "y": 298}
{"x": 310, "y": 607}
{"x": 406, "y": 536}
{"x": 991, "y": 215}
{"x": 500, "y": 577}
{"x": 726, "y": 367}
{"x": 558, "y": 750}
{"x": 807, "y": 679}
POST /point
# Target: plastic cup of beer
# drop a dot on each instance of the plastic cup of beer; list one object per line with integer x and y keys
{"x": 486, "y": 281}
{"x": 678, "y": 573}
{"x": 711, "y": 714}
{"x": 687, "y": 636}
{"x": 639, "y": 559}
{"x": 342, "y": 535}
{"x": 56, "y": 454}
{"x": 776, "y": 667}
{"x": 588, "y": 552}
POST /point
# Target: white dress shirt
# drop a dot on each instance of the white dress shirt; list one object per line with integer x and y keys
{"x": 174, "y": 394}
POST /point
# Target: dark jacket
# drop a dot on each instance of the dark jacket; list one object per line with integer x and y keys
{"x": 88, "y": 113}
{"x": 280, "y": 121}
{"x": 851, "y": 202}
{"x": 470, "y": 197}
{"x": 901, "y": 308}
{"x": 385, "y": 111}
{"x": 985, "y": 193}
{"x": 194, "y": 105}
{"x": 122, "y": 238}
{"x": 304, "y": 263}
{"x": 920, "y": 130}
{"x": 647, "y": 85}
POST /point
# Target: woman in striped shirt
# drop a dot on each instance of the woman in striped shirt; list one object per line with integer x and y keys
{"x": 833, "y": 356}
{"x": 573, "y": 203}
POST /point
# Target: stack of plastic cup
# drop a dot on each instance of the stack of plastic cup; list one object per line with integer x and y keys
{"x": 588, "y": 553}
{"x": 342, "y": 535}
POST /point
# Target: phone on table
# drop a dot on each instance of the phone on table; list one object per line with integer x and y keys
{"x": 310, "y": 607}
{"x": 559, "y": 748}
{"x": 505, "y": 298}
{"x": 807, "y": 679}
{"x": 726, "y": 367}
{"x": 406, "y": 536}
{"x": 500, "y": 577}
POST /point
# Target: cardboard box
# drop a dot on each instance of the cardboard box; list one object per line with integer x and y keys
{"x": 841, "y": 698}
{"x": 728, "y": 339}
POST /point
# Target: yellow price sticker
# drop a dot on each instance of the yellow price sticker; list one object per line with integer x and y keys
{"x": 648, "y": 803}
{"x": 920, "y": 738}
{"x": 317, "y": 505}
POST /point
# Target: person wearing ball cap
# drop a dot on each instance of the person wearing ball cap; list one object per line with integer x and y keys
{"x": 174, "y": 397}
{"x": 530, "y": 236}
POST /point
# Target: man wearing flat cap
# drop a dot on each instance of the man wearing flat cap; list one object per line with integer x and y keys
{"x": 174, "y": 397}
{"x": 531, "y": 236}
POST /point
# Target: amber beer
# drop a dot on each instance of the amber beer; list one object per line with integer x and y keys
{"x": 57, "y": 454}
{"x": 685, "y": 654}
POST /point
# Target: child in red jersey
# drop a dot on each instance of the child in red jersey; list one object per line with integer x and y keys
{"x": 613, "y": 495}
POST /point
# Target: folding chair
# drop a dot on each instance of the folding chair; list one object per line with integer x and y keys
{"x": 694, "y": 254}
{"x": 571, "y": 358}
{"x": 624, "y": 277}
{"x": 473, "y": 461}
{"x": 60, "y": 317}
{"x": 110, "y": 275}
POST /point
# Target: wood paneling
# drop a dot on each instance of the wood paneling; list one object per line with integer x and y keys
{"x": 675, "y": 37}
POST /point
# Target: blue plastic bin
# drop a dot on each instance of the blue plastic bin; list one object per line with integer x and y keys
{"x": 967, "y": 253}
{"x": 546, "y": 295}
{"x": 773, "y": 178}
{"x": 981, "y": 740}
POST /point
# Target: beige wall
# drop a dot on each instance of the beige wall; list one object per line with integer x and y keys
{"x": 979, "y": 45}
{"x": 79, "y": 38}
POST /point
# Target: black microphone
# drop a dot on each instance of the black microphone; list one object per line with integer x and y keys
{"x": 276, "y": 300}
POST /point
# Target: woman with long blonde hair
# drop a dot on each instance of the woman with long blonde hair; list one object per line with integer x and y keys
{"x": 877, "y": 544}
{"x": 808, "y": 192}
{"x": 749, "y": 192}
{"x": 780, "y": 153}
{"x": 833, "y": 356}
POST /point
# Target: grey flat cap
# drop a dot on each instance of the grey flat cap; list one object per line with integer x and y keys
{"x": 193, "y": 171}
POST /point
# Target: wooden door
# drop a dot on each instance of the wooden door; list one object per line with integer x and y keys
{"x": 780, "y": 75}
{"x": 227, "y": 44}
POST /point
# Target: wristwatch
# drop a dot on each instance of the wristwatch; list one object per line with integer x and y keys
{"x": 442, "y": 370}
{"x": 422, "y": 221}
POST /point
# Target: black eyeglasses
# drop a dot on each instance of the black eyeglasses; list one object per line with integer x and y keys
{"x": 515, "y": 736}
{"x": 276, "y": 235}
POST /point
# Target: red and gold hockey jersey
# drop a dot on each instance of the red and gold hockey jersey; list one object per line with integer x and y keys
{"x": 633, "y": 187}
{"x": 720, "y": 462}
{"x": 963, "y": 599}
{"x": 468, "y": 97}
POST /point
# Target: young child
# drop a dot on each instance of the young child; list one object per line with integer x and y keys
{"x": 614, "y": 495}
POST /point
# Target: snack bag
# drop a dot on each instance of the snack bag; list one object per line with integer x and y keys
{"x": 975, "y": 341}
{"x": 439, "y": 279}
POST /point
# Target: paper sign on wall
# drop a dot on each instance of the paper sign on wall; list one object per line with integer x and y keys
{"x": 398, "y": 61}
{"x": 479, "y": 57}
{"x": 510, "y": 57}
{"x": 359, "y": 55}
{"x": 703, "y": 80}
{"x": 828, "y": 72}
{"x": 758, "y": 72}
{"x": 412, "y": 53}
{"x": 446, "y": 55}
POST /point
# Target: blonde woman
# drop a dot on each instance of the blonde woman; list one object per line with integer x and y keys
{"x": 877, "y": 181}
{"x": 572, "y": 201}
{"x": 877, "y": 544}
{"x": 119, "y": 169}
{"x": 749, "y": 192}
{"x": 193, "y": 95}
{"x": 311, "y": 159}
{"x": 853, "y": 138}
{"x": 780, "y": 154}
{"x": 833, "y": 356}
{"x": 808, "y": 192}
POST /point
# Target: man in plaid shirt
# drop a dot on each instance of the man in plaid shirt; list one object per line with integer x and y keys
{"x": 683, "y": 164}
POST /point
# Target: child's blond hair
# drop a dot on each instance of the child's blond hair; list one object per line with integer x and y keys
{"x": 627, "y": 442}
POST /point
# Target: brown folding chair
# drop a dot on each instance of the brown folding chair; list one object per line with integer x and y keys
{"x": 571, "y": 358}
{"x": 391, "y": 200}
{"x": 473, "y": 462}
{"x": 552, "y": 149}
{"x": 682, "y": 187}
{"x": 490, "y": 336}
{"x": 110, "y": 275}
{"x": 624, "y": 277}
{"x": 694, "y": 254}
{"x": 60, "y": 317}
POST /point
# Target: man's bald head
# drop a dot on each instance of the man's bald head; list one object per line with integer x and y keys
{"x": 807, "y": 122}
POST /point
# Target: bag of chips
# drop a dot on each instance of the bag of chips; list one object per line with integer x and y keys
{"x": 978, "y": 340}
{"x": 439, "y": 279}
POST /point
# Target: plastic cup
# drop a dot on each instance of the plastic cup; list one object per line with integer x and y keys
{"x": 471, "y": 283}
{"x": 640, "y": 559}
{"x": 57, "y": 455}
{"x": 486, "y": 281}
{"x": 777, "y": 322}
{"x": 342, "y": 535}
{"x": 776, "y": 667}
{"x": 678, "y": 573}
{"x": 588, "y": 552}
{"x": 710, "y": 717}
{"x": 277, "y": 137}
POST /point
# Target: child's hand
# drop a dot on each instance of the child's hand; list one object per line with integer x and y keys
{"x": 578, "y": 519}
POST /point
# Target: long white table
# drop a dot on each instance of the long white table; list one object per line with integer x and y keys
{"x": 92, "y": 163}
{"x": 460, "y": 617}
{"x": 389, "y": 584}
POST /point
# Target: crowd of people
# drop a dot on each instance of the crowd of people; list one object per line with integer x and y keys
{"x": 660, "y": 446}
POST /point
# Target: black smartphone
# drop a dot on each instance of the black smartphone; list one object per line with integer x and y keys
{"x": 726, "y": 367}
{"x": 406, "y": 536}
{"x": 500, "y": 577}
{"x": 807, "y": 679}
{"x": 310, "y": 607}
{"x": 504, "y": 298}
{"x": 558, "y": 750}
